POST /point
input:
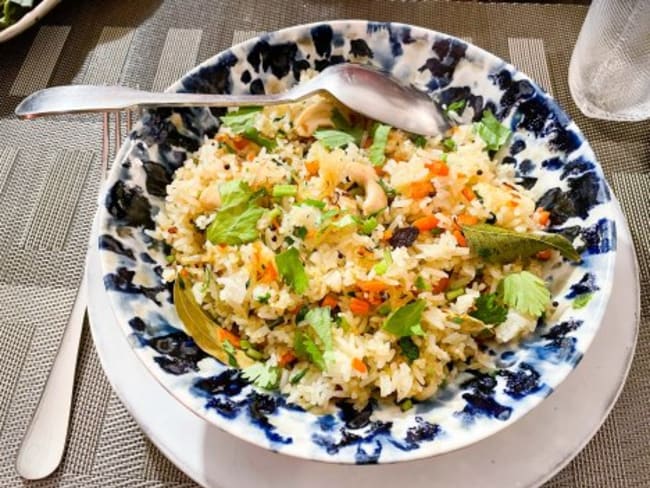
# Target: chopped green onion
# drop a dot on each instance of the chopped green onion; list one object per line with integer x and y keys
{"x": 314, "y": 203}
{"x": 295, "y": 379}
{"x": 254, "y": 354}
{"x": 280, "y": 191}
{"x": 382, "y": 266}
{"x": 170, "y": 259}
{"x": 451, "y": 295}
{"x": 406, "y": 405}
{"x": 421, "y": 284}
{"x": 449, "y": 144}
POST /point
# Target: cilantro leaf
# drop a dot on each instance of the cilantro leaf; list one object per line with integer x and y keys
{"x": 377, "y": 150}
{"x": 489, "y": 310}
{"x": 230, "y": 351}
{"x": 368, "y": 225}
{"x": 524, "y": 292}
{"x": 262, "y": 375}
{"x": 332, "y": 139}
{"x": 306, "y": 348}
{"x": 405, "y": 321}
{"x": 234, "y": 193}
{"x": 292, "y": 270}
{"x": 456, "y": 107}
{"x": 491, "y": 131}
{"x": 235, "y": 226}
{"x": 341, "y": 123}
{"x": 409, "y": 349}
{"x": 321, "y": 321}
{"x": 582, "y": 300}
{"x": 419, "y": 140}
{"x": 449, "y": 144}
{"x": 241, "y": 119}
{"x": 264, "y": 298}
{"x": 500, "y": 245}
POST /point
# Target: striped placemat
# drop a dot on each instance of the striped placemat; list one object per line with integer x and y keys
{"x": 49, "y": 175}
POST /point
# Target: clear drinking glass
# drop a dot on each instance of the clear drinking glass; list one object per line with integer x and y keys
{"x": 609, "y": 74}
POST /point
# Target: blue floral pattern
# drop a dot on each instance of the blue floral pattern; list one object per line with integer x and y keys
{"x": 548, "y": 152}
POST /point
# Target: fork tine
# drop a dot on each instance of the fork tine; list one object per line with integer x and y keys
{"x": 118, "y": 131}
{"x": 105, "y": 144}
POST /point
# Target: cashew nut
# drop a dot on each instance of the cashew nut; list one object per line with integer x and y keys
{"x": 210, "y": 198}
{"x": 312, "y": 117}
{"x": 365, "y": 175}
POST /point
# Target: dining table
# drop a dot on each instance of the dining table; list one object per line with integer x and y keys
{"x": 50, "y": 174}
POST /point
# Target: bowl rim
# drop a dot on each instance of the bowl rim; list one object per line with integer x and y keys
{"x": 416, "y": 454}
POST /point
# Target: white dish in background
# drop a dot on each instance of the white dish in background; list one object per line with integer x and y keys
{"x": 526, "y": 454}
{"x": 28, "y": 20}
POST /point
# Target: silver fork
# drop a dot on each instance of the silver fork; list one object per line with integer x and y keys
{"x": 43, "y": 446}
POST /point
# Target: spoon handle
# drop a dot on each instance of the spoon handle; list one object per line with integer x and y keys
{"x": 42, "y": 448}
{"x": 91, "y": 98}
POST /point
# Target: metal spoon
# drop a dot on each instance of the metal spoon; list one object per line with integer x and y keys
{"x": 363, "y": 89}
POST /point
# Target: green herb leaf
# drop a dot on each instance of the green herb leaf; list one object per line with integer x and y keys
{"x": 264, "y": 298}
{"x": 207, "y": 274}
{"x": 489, "y": 310}
{"x": 306, "y": 348}
{"x": 280, "y": 191}
{"x": 292, "y": 270}
{"x": 230, "y": 351}
{"x": 419, "y": 141}
{"x": 235, "y": 226}
{"x": 421, "y": 284}
{"x": 449, "y": 144}
{"x": 390, "y": 192}
{"x": 406, "y": 320}
{"x": 456, "y": 107}
{"x": 295, "y": 379}
{"x": 262, "y": 375}
{"x": 524, "y": 292}
{"x": 582, "y": 300}
{"x": 341, "y": 123}
{"x": 499, "y": 245}
{"x": 300, "y": 232}
{"x": 321, "y": 321}
{"x": 368, "y": 225}
{"x": 491, "y": 131}
{"x": 234, "y": 193}
{"x": 377, "y": 151}
{"x": 406, "y": 405}
{"x": 333, "y": 138}
{"x": 409, "y": 349}
{"x": 382, "y": 266}
{"x": 252, "y": 134}
{"x": 241, "y": 119}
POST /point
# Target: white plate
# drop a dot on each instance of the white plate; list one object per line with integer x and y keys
{"x": 561, "y": 426}
{"x": 28, "y": 20}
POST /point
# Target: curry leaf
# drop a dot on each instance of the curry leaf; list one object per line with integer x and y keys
{"x": 500, "y": 245}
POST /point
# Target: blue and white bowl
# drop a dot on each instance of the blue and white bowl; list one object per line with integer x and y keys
{"x": 551, "y": 157}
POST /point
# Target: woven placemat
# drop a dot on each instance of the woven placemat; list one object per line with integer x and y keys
{"x": 49, "y": 175}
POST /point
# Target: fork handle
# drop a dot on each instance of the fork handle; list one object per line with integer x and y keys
{"x": 42, "y": 448}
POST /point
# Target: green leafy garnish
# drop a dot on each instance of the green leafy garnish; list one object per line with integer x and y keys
{"x": 306, "y": 348}
{"x": 320, "y": 321}
{"x": 491, "y": 131}
{"x": 366, "y": 226}
{"x": 499, "y": 245}
{"x": 241, "y": 119}
{"x": 280, "y": 191}
{"x": 236, "y": 221}
{"x": 582, "y": 300}
{"x": 405, "y": 321}
{"x": 341, "y": 123}
{"x": 382, "y": 266}
{"x": 456, "y": 107}
{"x": 454, "y": 293}
{"x": 300, "y": 232}
{"x": 292, "y": 270}
{"x": 489, "y": 310}
{"x": 384, "y": 309}
{"x": 377, "y": 151}
{"x": 449, "y": 144}
{"x": 264, "y": 298}
{"x": 406, "y": 405}
{"x": 332, "y": 139}
{"x": 524, "y": 292}
{"x": 419, "y": 141}
{"x": 421, "y": 284}
{"x": 409, "y": 349}
{"x": 252, "y": 134}
{"x": 295, "y": 379}
{"x": 262, "y": 375}
{"x": 390, "y": 192}
{"x": 230, "y": 351}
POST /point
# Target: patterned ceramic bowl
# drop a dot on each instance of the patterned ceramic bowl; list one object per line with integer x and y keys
{"x": 551, "y": 158}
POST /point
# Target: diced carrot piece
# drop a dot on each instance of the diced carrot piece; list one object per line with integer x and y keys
{"x": 329, "y": 301}
{"x": 424, "y": 224}
{"x": 359, "y": 366}
{"x": 184, "y": 273}
{"x": 295, "y": 309}
{"x": 543, "y": 217}
{"x": 312, "y": 167}
{"x": 373, "y": 286}
{"x": 270, "y": 274}
{"x": 388, "y": 234}
{"x": 440, "y": 286}
{"x": 359, "y": 306}
{"x": 379, "y": 171}
{"x": 375, "y": 299}
{"x": 172, "y": 230}
{"x": 240, "y": 143}
{"x": 420, "y": 189}
{"x": 460, "y": 238}
{"x": 468, "y": 193}
{"x": 438, "y": 168}
{"x": 466, "y": 219}
{"x": 513, "y": 203}
{"x": 226, "y": 335}
{"x": 544, "y": 255}
{"x": 287, "y": 358}
{"x": 250, "y": 156}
